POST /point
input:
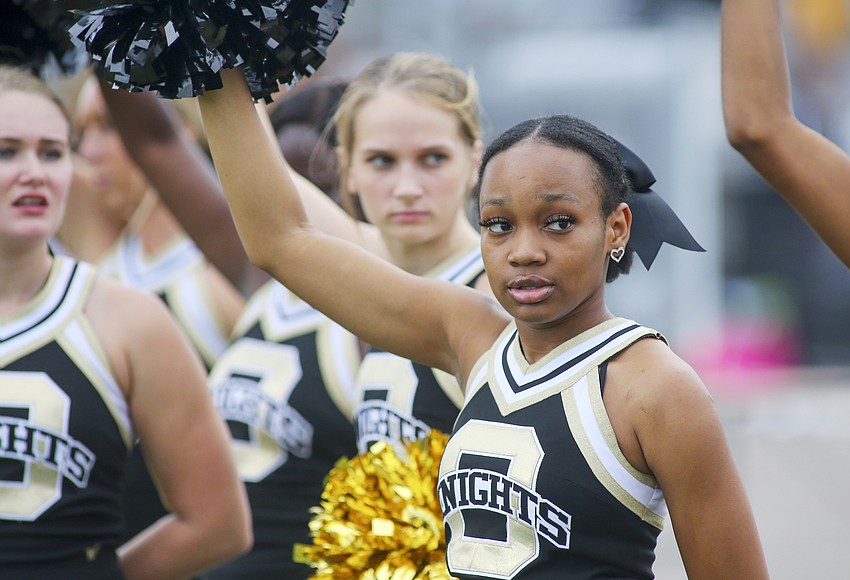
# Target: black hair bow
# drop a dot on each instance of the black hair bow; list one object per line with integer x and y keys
{"x": 654, "y": 222}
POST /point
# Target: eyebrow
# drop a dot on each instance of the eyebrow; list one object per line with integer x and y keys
{"x": 546, "y": 197}
{"x": 433, "y": 147}
{"x": 49, "y": 141}
{"x": 553, "y": 197}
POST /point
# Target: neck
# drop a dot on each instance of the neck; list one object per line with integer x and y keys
{"x": 143, "y": 211}
{"x": 22, "y": 276}
{"x": 538, "y": 340}
{"x": 420, "y": 259}
{"x": 88, "y": 230}
{"x": 91, "y": 237}
{"x": 159, "y": 228}
{"x": 89, "y": 243}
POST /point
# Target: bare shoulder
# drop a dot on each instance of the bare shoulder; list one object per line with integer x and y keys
{"x": 116, "y": 305}
{"x": 657, "y": 374}
{"x": 654, "y": 398}
{"x": 672, "y": 431}
{"x": 659, "y": 401}
{"x": 125, "y": 319}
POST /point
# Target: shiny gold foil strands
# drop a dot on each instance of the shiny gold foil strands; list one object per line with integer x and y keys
{"x": 379, "y": 518}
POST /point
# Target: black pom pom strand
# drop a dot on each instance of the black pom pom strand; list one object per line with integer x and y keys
{"x": 34, "y": 36}
{"x": 178, "y": 47}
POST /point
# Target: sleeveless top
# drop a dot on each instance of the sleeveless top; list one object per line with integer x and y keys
{"x": 532, "y": 482}
{"x": 399, "y": 400}
{"x": 65, "y": 433}
{"x": 177, "y": 274}
{"x": 285, "y": 387}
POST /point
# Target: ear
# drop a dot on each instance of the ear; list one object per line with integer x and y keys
{"x": 619, "y": 225}
{"x": 344, "y": 169}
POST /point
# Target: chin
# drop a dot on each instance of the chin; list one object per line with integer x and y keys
{"x": 533, "y": 315}
{"x": 36, "y": 235}
{"x": 411, "y": 234}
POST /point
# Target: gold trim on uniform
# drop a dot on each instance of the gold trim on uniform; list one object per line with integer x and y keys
{"x": 592, "y": 430}
{"x": 83, "y": 347}
{"x": 580, "y": 392}
{"x": 339, "y": 356}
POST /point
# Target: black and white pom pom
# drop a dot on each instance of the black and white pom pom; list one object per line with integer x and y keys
{"x": 178, "y": 47}
{"x": 34, "y": 36}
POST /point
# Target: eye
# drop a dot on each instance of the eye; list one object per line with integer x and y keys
{"x": 435, "y": 159}
{"x": 496, "y": 225}
{"x": 380, "y": 161}
{"x": 53, "y": 154}
{"x": 559, "y": 223}
{"x": 6, "y": 152}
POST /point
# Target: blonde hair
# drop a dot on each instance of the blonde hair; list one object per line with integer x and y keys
{"x": 427, "y": 77}
{"x": 424, "y": 76}
{"x": 18, "y": 79}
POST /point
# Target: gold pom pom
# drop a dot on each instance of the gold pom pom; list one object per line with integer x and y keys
{"x": 380, "y": 518}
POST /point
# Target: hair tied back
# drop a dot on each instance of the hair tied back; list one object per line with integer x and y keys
{"x": 654, "y": 222}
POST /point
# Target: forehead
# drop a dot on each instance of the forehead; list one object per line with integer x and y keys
{"x": 90, "y": 101}
{"x": 537, "y": 169}
{"x": 393, "y": 118}
{"x": 31, "y": 116}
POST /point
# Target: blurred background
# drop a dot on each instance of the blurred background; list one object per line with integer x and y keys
{"x": 764, "y": 314}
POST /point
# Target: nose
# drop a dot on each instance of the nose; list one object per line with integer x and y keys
{"x": 525, "y": 248}
{"x": 33, "y": 170}
{"x": 408, "y": 183}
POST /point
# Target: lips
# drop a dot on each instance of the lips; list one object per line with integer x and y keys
{"x": 409, "y": 216}
{"x": 31, "y": 200}
{"x": 31, "y": 204}
{"x": 530, "y": 289}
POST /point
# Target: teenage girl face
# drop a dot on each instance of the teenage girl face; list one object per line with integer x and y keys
{"x": 117, "y": 184}
{"x": 544, "y": 241}
{"x": 35, "y": 167}
{"x": 410, "y": 167}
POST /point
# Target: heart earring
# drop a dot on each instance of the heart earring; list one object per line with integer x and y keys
{"x": 618, "y": 253}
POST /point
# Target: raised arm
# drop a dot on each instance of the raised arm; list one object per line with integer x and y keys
{"x": 804, "y": 167}
{"x": 182, "y": 174}
{"x": 185, "y": 179}
{"x": 378, "y": 302}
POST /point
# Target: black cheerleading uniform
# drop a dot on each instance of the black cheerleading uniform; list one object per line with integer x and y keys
{"x": 285, "y": 388}
{"x": 177, "y": 275}
{"x": 65, "y": 434}
{"x": 399, "y": 400}
{"x": 532, "y": 482}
